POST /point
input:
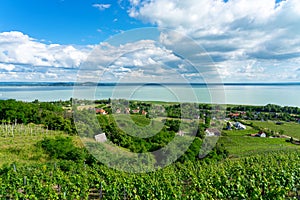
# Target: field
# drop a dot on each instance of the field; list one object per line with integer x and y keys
{"x": 269, "y": 176}
{"x": 18, "y": 143}
{"x": 257, "y": 168}
{"x": 291, "y": 129}
{"x": 266, "y": 173}
{"x": 239, "y": 144}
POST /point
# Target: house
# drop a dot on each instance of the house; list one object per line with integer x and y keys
{"x": 234, "y": 114}
{"x": 144, "y": 112}
{"x": 136, "y": 111}
{"x": 100, "y": 111}
{"x": 240, "y": 126}
{"x": 180, "y": 133}
{"x": 212, "y": 132}
{"x": 260, "y": 134}
{"x": 101, "y": 137}
{"x": 127, "y": 110}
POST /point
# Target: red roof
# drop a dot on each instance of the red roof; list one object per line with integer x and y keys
{"x": 234, "y": 114}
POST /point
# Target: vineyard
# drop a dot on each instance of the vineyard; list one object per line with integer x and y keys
{"x": 272, "y": 176}
{"x": 18, "y": 143}
{"x": 12, "y": 130}
{"x": 45, "y": 159}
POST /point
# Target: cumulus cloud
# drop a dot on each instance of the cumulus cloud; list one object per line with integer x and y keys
{"x": 23, "y": 58}
{"x": 235, "y": 32}
{"x": 101, "y": 6}
{"x": 7, "y": 67}
{"x": 143, "y": 60}
{"x": 20, "y": 54}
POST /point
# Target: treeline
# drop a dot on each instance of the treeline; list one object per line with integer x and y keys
{"x": 139, "y": 134}
{"x": 267, "y": 108}
{"x": 58, "y": 116}
{"x": 267, "y": 112}
{"x": 50, "y": 114}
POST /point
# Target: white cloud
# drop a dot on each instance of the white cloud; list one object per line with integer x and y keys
{"x": 15, "y": 47}
{"x": 7, "y": 67}
{"x": 235, "y": 33}
{"x": 143, "y": 58}
{"x": 20, "y": 53}
{"x": 101, "y": 6}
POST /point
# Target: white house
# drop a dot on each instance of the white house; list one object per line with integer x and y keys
{"x": 240, "y": 126}
{"x": 212, "y": 132}
{"x": 180, "y": 133}
{"x": 101, "y": 137}
{"x": 263, "y": 135}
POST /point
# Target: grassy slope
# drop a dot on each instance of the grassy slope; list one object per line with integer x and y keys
{"x": 22, "y": 149}
{"x": 239, "y": 144}
{"x": 290, "y": 128}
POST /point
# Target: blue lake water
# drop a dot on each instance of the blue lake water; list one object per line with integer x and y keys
{"x": 284, "y": 95}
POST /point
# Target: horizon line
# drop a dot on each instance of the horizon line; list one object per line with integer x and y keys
{"x": 71, "y": 83}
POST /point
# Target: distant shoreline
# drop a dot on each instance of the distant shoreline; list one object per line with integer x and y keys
{"x": 150, "y": 84}
{"x": 284, "y": 94}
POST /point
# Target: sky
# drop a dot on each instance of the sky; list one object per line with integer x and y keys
{"x": 247, "y": 41}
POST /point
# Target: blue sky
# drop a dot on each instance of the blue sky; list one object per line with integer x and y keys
{"x": 67, "y": 21}
{"x": 248, "y": 41}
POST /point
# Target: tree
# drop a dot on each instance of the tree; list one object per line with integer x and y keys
{"x": 62, "y": 148}
{"x": 201, "y": 131}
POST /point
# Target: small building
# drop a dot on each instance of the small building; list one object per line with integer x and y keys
{"x": 136, "y": 111}
{"x": 118, "y": 111}
{"x": 180, "y": 133}
{"x": 260, "y": 134}
{"x": 101, "y": 137}
{"x": 144, "y": 112}
{"x": 234, "y": 115}
{"x": 127, "y": 110}
{"x": 212, "y": 132}
{"x": 240, "y": 126}
{"x": 100, "y": 111}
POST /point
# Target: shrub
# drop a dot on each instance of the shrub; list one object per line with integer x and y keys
{"x": 62, "y": 148}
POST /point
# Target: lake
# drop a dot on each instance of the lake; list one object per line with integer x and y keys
{"x": 284, "y": 95}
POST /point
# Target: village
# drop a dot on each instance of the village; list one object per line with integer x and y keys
{"x": 244, "y": 121}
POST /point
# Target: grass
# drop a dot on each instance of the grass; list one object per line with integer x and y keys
{"x": 21, "y": 147}
{"x": 240, "y": 145}
{"x": 137, "y": 125}
{"x": 291, "y": 129}
{"x": 140, "y": 120}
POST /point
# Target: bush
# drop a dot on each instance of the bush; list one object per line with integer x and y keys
{"x": 62, "y": 148}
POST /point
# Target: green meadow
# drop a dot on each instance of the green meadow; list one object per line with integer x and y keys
{"x": 291, "y": 129}
{"x": 240, "y": 144}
